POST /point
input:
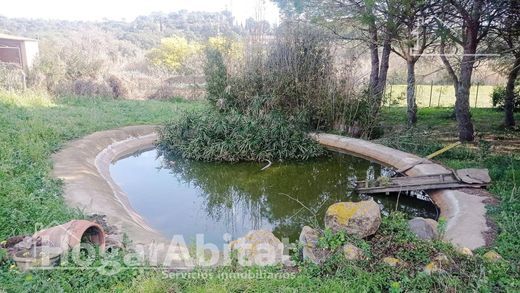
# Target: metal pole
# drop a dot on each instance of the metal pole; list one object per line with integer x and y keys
{"x": 439, "y": 99}
{"x": 431, "y": 91}
{"x": 416, "y": 92}
{"x": 390, "y": 96}
{"x": 476, "y": 96}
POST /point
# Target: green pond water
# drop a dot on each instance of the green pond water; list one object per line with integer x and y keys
{"x": 222, "y": 200}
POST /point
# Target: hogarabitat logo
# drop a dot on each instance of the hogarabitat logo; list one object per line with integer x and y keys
{"x": 175, "y": 255}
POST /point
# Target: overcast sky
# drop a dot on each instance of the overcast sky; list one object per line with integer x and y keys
{"x": 129, "y": 9}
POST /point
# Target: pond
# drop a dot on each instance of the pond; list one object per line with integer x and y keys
{"x": 180, "y": 197}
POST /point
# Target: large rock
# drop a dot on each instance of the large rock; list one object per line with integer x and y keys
{"x": 492, "y": 256}
{"x": 465, "y": 251}
{"x": 361, "y": 219}
{"x": 425, "y": 229}
{"x": 309, "y": 240}
{"x": 352, "y": 252}
{"x": 259, "y": 247}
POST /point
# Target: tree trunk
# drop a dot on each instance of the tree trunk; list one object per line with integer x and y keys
{"x": 509, "y": 103}
{"x": 383, "y": 70}
{"x": 379, "y": 68}
{"x": 374, "y": 60}
{"x": 462, "y": 110}
{"x": 410, "y": 93}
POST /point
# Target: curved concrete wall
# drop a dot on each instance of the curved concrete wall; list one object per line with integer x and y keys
{"x": 465, "y": 212}
{"x": 84, "y": 167}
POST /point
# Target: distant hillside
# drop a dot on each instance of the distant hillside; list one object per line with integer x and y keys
{"x": 144, "y": 32}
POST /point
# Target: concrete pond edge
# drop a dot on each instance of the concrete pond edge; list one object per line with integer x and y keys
{"x": 463, "y": 209}
{"x": 84, "y": 167}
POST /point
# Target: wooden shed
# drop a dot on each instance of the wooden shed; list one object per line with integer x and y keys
{"x": 17, "y": 50}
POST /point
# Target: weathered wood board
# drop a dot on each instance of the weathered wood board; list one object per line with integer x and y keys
{"x": 473, "y": 178}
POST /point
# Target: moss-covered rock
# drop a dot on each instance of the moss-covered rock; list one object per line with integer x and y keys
{"x": 361, "y": 219}
{"x": 352, "y": 252}
{"x": 309, "y": 241}
{"x": 438, "y": 265}
{"x": 433, "y": 267}
{"x": 465, "y": 251}
{"x": 391, "y": 261}
{"x": 492, "y": 256}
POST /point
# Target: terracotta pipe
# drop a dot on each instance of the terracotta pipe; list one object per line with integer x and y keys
{"x": 71, "y": 234}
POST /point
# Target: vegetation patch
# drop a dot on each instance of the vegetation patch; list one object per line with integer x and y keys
{"x": 231, "y": 136}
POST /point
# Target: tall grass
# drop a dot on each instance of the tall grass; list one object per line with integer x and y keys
{"x": 231, "y": 136}
{"x": 29, "y": 98}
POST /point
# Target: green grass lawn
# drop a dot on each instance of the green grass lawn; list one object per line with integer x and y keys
{"x": 442, "y": 120}
{"x": 441, "y": 95}
{"x": 32, "y": 127}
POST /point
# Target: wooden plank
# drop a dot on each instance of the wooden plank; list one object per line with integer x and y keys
{"x": 417, "y": 180}
{"x": 424, "y": 182}
{"x": 384, "y": 189}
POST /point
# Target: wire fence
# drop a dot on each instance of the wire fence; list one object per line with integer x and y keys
{"x": 430, "y": 95}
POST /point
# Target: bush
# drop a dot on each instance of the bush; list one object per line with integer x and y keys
{"x": 499, "y": 96}
{"x": 292, "y": 74}
{"x": 215, "y": 72}
{"x": 214, "y": 136}
{"x": 186, "y": 87}
{"x": 91, "y": 88}
{"x": 119, "y": 90}
{"x": 174, "y": 53}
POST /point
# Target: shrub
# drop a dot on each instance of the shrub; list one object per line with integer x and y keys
{"x": 173, "y": 53}
{"x": 186, "y": 87}
{"x": 498, "y": 98}
{"x": 119, "y": 89}
{"x": 292, "y": 74}
{"x": 215, "y": 72}
{"x": 214, "y": 136}
{"x": 87, "y": 88}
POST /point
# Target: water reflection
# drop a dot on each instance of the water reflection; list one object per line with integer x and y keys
{"x": 186, "y": 197}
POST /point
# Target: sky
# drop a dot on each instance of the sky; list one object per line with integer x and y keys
{"x": 95, "y": 10}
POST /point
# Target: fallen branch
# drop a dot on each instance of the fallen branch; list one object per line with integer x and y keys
{"x": 267, "y": 166}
